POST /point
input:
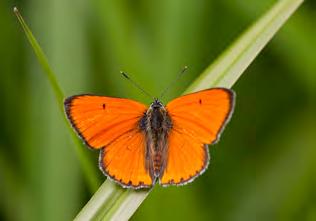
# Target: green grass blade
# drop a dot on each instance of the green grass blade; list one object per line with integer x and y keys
{"x": 42, "y": 59}
{"x": 88, "y": 167}
{"x": 113, "y": 202}
{"x": 226, "y": 70}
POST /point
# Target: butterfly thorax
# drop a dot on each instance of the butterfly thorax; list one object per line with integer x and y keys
{"x": 156, "y": 125}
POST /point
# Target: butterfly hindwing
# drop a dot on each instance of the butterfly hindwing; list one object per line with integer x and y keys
{"x": 124, "y": 160}
{"x": 197, "y": 120}
{"x": 187, "y": 158}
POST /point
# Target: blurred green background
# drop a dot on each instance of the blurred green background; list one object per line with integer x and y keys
{"x": 264, "y": 167}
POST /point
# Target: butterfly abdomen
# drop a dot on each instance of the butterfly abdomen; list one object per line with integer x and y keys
{"x": 157, "y": 162}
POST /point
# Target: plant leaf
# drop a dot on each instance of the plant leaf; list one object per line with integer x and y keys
{"x": 226, "y": 70}
{"x": 113, "y": 202}
{"x": 88, "y": 168}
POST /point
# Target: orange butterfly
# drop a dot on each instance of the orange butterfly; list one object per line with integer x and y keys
{"x": 140, "y": 145}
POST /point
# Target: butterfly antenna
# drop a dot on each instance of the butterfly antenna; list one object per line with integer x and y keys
{"x": 174, "y": 81}
{"x": 136, "y": 85}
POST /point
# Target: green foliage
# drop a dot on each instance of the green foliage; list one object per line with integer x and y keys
{"x": 86, "y": 165}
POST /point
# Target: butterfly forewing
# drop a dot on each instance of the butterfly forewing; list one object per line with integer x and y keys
{"x": 100, "y": 120}
{"x": 202, "y": 114}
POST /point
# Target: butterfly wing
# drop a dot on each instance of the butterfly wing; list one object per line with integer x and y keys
{"x": 123, "y": 160}
{"x": 197, "y": 120}
{"x": 99, "y": 120}
{"x": 187, "y": 158}
{"x": 113, "y": 125}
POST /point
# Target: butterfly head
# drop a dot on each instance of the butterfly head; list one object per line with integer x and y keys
{"x": 156, "y": 114}
{"x": 157, "y": 118}
{"x": 156, "y": 104}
